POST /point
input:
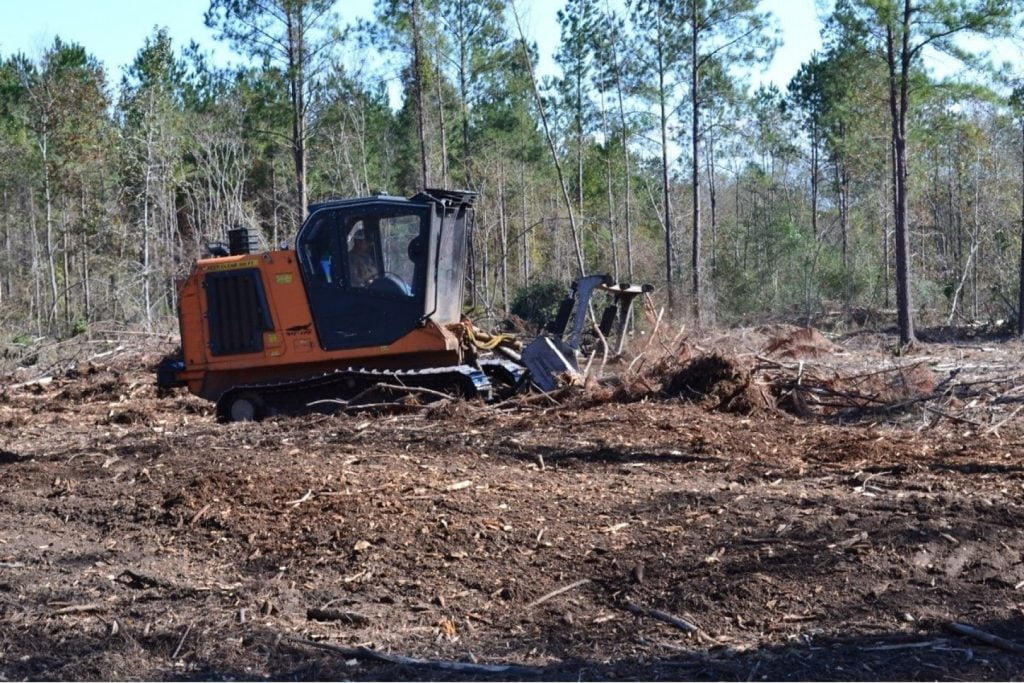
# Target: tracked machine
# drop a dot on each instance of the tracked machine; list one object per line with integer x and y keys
{"x": 371, "y": 294}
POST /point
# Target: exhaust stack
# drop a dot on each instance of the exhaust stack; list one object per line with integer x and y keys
{"x": 242, "y": 240}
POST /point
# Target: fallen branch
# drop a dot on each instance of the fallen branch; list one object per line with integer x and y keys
{"x": 346, "y": 408}
{"x": 443, "y": 664}
{"x": 994, "y": 428}
{"x": 985, "y": 637}
{"x": 414, "y": 390}
{"x": 353, "y": 403}
{"x": 670, "y": 619}
{"x": 950, "y": 416}
{"x": 38, "y": 381}
{"x": 558, "y": 591}
{"x": 391, "y": 405}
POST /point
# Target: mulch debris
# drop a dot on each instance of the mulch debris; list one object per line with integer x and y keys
{"x": 732, "y": 509}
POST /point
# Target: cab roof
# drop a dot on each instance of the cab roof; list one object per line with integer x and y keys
{"x": 428, "y": 196}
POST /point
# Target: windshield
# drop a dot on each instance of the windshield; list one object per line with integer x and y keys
{"x": 383, "y": 252}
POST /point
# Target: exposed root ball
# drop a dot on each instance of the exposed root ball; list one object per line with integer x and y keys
{"x": 720, "y": 383}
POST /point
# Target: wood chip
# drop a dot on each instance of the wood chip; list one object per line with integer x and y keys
{"x": 80, "y": 609}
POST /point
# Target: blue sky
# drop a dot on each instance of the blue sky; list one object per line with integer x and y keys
{"x": 113, "y": 30}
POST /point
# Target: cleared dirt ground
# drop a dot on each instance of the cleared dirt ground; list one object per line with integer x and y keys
{"x": 141, "y": 540}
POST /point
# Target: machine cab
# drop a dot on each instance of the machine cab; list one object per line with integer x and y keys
{"x": 376, "y": 268}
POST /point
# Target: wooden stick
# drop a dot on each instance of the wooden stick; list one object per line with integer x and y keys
{"x": 414, "y": 390}
{"x": 41, "y": 381}
{"x": 586, "y": 371}
{"x": 188, "y": 629}
{"x": 985, "y": 637}
{"x": 558, "y": 591}
{"x": 906, "y": 646}
{"x": 654, "y": 331}
{"x": 79, "y": 609}
{"x": 346, "y": 408}
{"x": 629, "y": 369}
{"x": 446, "y": 665}
{"x": 954, "y": 418}
{"x": 671, "y": 619}
{"x": 199, "y": 515}
{"x": 999, "y": 424}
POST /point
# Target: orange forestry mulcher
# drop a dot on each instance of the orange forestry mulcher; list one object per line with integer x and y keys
{"x": 372, "y": 293}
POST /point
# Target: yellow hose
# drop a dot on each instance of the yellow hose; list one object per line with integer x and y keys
{"x": 490, "y": 344}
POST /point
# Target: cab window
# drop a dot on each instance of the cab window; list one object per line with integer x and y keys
{"x": 320, "y": 254}
{"x": 382, "y": 253}
{"x": 400, "y": 244}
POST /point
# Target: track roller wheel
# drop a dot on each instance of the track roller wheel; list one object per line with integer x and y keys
{"x": 241, "y": 407}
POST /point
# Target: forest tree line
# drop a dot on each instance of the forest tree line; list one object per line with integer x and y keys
{"x": 867, "y": 184}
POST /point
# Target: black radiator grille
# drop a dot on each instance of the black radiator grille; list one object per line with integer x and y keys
{"x": 237, "y": 311}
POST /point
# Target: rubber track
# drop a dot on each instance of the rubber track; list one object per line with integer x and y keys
{"x": 291, "y": 397}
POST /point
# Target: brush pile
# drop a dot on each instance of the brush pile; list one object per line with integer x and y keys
{"x": 800, "y": 371}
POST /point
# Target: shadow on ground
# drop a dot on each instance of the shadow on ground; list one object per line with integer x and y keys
{"x": 928, "y": 654}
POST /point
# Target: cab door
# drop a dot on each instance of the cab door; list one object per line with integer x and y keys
{"x": 365, "y": 272}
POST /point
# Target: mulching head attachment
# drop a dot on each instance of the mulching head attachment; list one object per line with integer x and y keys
{"x": 552, "y": 357}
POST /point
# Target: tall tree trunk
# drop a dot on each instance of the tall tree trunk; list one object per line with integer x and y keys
{"x": 146, "y": 247}
{"x": 525, "y": 248}
{"x": 843, "y": 188}
{"x": 579, "y": 146}
{"x": 84, "y": 248}
{"x": 418, "y": 85}
{"x": 898, "y": 105}
{"x": 86, "y": 283}
{"x": 65, "y": 265}
{"x": 695, "y": 274}
{"x": 625, "y": 162}
{"x": 709, "y": 152}
{"x": 51, "y": 248}
{"x": 5, "y": 283}
{"x": 441, "y": 123}
{"x": 976, "y": 237}
{"x": 1020, "y": 294}
{"x": 274, "y": 204}
{"x": 485, "y": 271}
{"x": 886, "y": 249}
{"x": 296, "y": 85}
{"x": 665, "y": 188}
{"x": 611, "y": 195}
{"x": 37, "y": 270}
{"x": 464, "y": 111}
{"x": 503, "y": 235}
{"x": 814, "y": 179}
{"x": 472, "y": 266}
